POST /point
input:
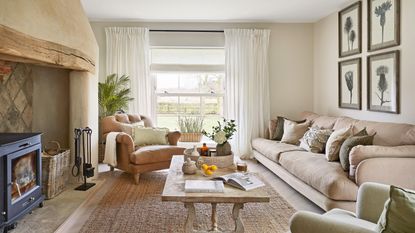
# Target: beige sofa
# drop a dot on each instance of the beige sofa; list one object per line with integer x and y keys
{"x": 391, "y": 160}
{"x": 134, "y": 159}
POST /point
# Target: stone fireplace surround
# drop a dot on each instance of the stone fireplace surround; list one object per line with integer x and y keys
{"x": 48, "y": 77}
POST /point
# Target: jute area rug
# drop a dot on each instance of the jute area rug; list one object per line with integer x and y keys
{"x": 138, "y": 208}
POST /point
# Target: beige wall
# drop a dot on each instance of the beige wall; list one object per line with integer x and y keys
{"x": 51, "y": 104}
{"x": 291, "y": 59}
{"x": 326, "y": 59}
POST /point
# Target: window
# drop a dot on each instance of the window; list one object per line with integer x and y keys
{"x": 188, "y": 82}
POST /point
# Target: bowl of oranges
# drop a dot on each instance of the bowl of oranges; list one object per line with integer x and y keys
{"x": 208, "y": 170}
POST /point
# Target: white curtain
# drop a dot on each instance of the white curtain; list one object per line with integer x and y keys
{"x": 247, "y": 85}
{"x": 128, "y": 53}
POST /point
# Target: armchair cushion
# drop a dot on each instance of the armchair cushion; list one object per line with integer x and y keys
{"x": 150, "y": 136}
{"x": 399, "y": 212}
{"x": 154, "y": 154}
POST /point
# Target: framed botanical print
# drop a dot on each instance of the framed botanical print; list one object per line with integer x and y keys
{"x": 383, "y": 82}
{"x": 350, "y": 30}
{"x": 350, "y": 84}
{"x": 383, "y": 24}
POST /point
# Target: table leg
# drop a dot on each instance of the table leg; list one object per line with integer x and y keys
{"x": 239, "y": 226}
{"x": 191, "y": 215}
{"x": 214, "y": 218}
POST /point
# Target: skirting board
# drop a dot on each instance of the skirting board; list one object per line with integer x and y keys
{"x": 303, "y": 188}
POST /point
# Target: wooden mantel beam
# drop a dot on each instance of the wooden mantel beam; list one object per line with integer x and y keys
{"x": 20, "y": 47}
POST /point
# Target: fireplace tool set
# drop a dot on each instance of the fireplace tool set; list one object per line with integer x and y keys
{"x": 83, "y": 138}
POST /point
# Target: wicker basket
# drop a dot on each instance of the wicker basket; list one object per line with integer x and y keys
{"x": 55, "y": 173}
{"x": 219, "y": 161}
{"x": 191, "y": 137}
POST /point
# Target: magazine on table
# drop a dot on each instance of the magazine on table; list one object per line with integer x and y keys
{"x": 244, "y": 181}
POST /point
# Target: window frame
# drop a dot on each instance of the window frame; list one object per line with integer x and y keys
{"x": 156, "y": 68}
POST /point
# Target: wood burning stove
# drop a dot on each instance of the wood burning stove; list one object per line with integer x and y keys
{"x": 20, "y": 176}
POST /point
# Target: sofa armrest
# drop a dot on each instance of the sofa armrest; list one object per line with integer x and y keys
{"x": 361, "y": 153}
{"x": 388, "y": 170}
{"x": 371, "y": 199}
{"x": 307, "y": 222}
{"x": 124, "y": 140}
{"x": 173, "y": 137}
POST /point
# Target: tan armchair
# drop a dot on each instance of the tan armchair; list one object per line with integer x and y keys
{"x": 133, "y": 159}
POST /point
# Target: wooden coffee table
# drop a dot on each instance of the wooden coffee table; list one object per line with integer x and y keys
{"x": 174, "y": 191}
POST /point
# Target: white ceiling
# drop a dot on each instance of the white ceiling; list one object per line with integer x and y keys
{"x": 211, "y": 10}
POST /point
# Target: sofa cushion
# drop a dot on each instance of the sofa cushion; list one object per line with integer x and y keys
{"x": 272, "y": 149}
{"x": 315, "y": 139}
{"x": 155, "y": 154}
{"x": 389, "y": 134}
{"x": 335, "y": 142}
{"x": 344, "y": 122}
{"x": 349, "y": 144}
{"x": 293, "y": 131}
{"x": 314, "y": 170}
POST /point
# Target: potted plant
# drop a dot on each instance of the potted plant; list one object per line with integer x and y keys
{"x": 113, "y": 94}
{"x": 221, "y": 134}
{"x": 191, "y": 129}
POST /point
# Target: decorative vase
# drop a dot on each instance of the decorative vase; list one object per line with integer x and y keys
{"x": 223, "y": 149}
{"x": 189, "y": 167}
{"x": 195, "y": 152}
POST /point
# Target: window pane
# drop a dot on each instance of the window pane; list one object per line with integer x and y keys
{"x": 167, "y": 82}
{"x": 189, "y": 83}
{"x": 167, "y": 121}
{"x": 189, "y": 105}
{"x": 212, "y": 83}
{"x": 190, "y": 56}
{"x": 167, "y": 105}
{"x": 212, "y": 105}
{"x": 210, "y": 121}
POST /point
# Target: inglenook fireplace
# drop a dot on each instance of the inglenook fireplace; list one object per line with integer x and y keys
{"x": 20, "y": 176}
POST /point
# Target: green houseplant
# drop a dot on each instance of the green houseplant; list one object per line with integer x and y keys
{"x": 191, "y": 129}
{"x": 113, "y": 94}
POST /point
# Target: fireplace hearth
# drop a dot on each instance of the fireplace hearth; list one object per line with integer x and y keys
{"x": 20, "y": 176}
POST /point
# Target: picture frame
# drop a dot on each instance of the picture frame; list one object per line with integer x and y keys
{"x": 350, "y": 84}
{"x": 384, "y": 24}
{"x": 350, "y": 30}
{"x": 383, "y": 85}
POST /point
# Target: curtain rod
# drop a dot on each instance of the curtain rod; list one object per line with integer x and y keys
{"x": 156, "y": 30}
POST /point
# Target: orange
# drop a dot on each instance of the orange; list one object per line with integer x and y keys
{"x": 208, "y": 172}
{"x": 214, "y": 167}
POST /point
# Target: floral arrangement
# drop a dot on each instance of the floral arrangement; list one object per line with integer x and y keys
{"x": 222, "y": 132}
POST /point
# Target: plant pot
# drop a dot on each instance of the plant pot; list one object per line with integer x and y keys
{"x": 191, "y": 137}
{"x": 223, "y": 149}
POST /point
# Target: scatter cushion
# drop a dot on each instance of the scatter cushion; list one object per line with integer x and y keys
{"x": 335, "y": 142}
{"x": 276, "y": 128}
{"x": 349, "y": 144}
{"x": 150, "y": 136}
{"x": 315, "y": 139}
{"x": 123, "y": 118}
{"x": 129, "y": 128}
{"x": 293, "y": 131}
{"x": 399, "y": 212}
